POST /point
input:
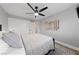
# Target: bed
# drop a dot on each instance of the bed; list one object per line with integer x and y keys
{"x": 37, "y": 44}
{"x": 30, "y": 44}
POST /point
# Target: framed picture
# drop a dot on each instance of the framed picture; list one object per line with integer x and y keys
{"x": 52, "y": 25}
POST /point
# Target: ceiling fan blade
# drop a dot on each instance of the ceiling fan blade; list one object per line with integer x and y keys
{"x": 41, "y": 14}
{"x": 43, "y": 9}
{"x": 29, "y": 13}
{"x": 30, "y": 7}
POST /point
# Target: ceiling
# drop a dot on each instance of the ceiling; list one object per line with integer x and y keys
{"x": 19, "y": 9}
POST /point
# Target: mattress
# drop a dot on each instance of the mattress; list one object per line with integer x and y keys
{"x": 11, "y": 51}
{"x": 37, "y": 44}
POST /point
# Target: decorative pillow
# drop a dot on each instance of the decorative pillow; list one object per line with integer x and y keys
{"x": 3, "y": 44}
{"x": 12, "y": 39}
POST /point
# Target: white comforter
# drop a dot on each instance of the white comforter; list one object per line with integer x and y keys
{"x": 37, "y": 44}
{"x": 12, "y": 51}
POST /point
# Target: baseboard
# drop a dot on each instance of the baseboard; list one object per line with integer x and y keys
{"x": 67, "y": 45}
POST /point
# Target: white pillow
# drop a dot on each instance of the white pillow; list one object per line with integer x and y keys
{"x": 12, "y": 39}
{"x": 3, "y": 44}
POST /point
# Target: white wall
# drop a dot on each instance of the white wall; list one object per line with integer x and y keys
{"x": 68, "y": 27}
{"x": 20, "y": 25}
{"x": 3, "y": 19}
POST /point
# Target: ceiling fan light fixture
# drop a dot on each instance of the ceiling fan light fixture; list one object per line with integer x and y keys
{"x": 36, "y": 11}
{"x": 36, "y": 14}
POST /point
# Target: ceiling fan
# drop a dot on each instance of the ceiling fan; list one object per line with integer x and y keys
{"x": 36, "y": 11}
